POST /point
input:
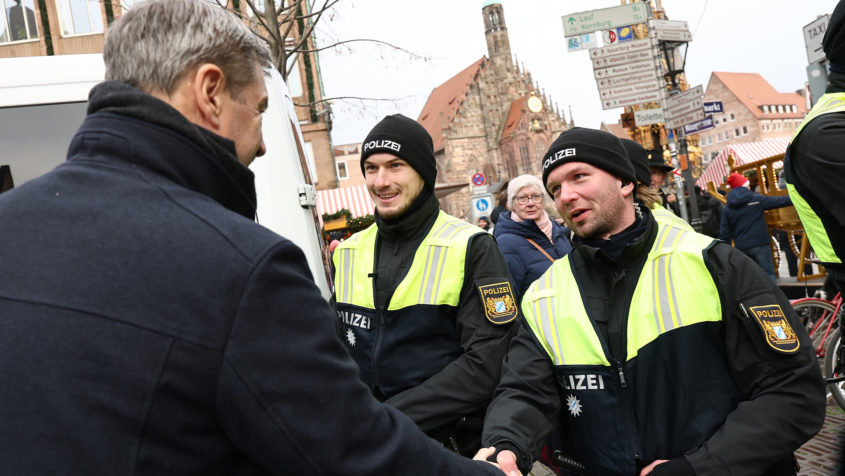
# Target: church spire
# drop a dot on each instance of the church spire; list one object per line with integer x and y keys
{"x": 498, "y": 43}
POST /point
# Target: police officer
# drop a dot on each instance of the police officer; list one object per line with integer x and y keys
{"x": 661, "y": 350}
{"x": 425, "y": 299}
{"x": 815, "y": 165}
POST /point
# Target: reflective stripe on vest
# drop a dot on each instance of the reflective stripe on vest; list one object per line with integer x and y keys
{"x": 819, "y": 237}
{"x": 674, "y": 289}
{"x": 662, "y": 215}
{"x": 436, "y": 275}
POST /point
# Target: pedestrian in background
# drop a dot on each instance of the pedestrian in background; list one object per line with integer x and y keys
{"x": 744, "y": 222}
{"x": 530, "y": 240}
{"x": 484, "y": 224}
{"x": 425, "y": 299}
{"x": 657, "y": 349}
{"x": 647, "y": 194}
{"x": 149, "y": 326}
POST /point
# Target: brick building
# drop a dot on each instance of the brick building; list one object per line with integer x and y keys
{"x": 489, "y": 118}
{"x": 753, "y": 111}
{"x": 61, "y": 27}
{"x": 348, "y": 162}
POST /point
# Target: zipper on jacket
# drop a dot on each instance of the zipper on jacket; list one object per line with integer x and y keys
{"x": 744, "y": 311}
{"x": 377, "y": 346}
{"x": 621, "y": 374}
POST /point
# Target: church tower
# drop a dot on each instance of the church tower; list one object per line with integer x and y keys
{"x": 495, "y": 30}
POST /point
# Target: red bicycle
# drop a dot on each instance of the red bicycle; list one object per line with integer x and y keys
{"x": 822, "y": 319}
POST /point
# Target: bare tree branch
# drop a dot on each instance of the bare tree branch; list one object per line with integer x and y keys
{"x": 368, "y": 40}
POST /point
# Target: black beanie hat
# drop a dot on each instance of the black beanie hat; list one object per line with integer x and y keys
{"x": 639, "y": 160}
{"x": 406, "y": 139}
{"x": 833, "y": 42}
{"x": 597, "y": 148}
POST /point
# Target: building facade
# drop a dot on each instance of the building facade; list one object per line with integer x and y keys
{"x": 348, "y": 164}
{"x": 61, "y": 27}
{"x": 752, "y": 111}
{"x": 490, "y": 118}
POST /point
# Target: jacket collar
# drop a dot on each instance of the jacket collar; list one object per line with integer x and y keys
{"x": 198, "y": 159}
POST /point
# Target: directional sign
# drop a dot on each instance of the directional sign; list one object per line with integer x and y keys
{"x": 675, "y": 122}
{"x": 713, "y": 107}
{"x": 647, "y": 117}
{"x": 604, "y": 83}
{"x": 813, "y": 35}
{"x": 692, "y": 93}
{"x": 627, "y": 69}
{"x": 706, "y": 123}
{"x": 630, "y": 89}
{"x": 628, "y": 47}
{"x": 605, "y": 18}
{"x": 669, "y": 24}
{"x": 623, "y": 58}
{"x": 672, "y": 35}
{"x": 649, "y": 96}
{"x": 686, "y": 107}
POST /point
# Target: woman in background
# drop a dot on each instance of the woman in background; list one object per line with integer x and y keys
{"x": 527, "y": 236}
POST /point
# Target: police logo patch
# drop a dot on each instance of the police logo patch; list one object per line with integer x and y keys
{"x": 498, "y": 302}
{"x": 776, "y": 328}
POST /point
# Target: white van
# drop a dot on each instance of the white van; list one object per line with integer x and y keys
{"x": 43, "y": 100}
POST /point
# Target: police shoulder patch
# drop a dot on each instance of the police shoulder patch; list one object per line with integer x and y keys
{"x": 776, "y": 328}
{"x": 497, "y": 300}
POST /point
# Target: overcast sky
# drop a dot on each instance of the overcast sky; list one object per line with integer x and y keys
{"x": 448, "y": 35}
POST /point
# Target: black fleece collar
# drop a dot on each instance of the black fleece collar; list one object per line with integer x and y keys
{"x": 215, "y": 171}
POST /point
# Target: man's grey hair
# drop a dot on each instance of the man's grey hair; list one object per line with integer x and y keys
{"x": 157, "y": 42}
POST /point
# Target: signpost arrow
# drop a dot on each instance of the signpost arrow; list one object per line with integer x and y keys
{"x": 627, "y": 47}
{"x": 650, "y": 66}
{"x": 623, "y": 58}
{"x": 649, "y": 85}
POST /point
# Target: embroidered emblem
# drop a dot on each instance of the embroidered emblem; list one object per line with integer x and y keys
{"x": 499, "y": 303}
{"x": 776, "y": 328}
{"x": 573, "y": 405}
{"x": 350, "y": 337}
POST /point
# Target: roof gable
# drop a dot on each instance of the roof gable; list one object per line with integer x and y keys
{"x": 754, "y": 92}
{"x": 445, "y": 100}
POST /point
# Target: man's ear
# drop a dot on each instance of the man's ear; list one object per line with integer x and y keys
{"x": 627, "y": 188}
{"x": 209, "y": 85}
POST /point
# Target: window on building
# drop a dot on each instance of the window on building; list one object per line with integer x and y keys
{"x": 733, "y": 117}
{"x": 736, "y": 133}
{"x": 794, "y": 108}
{"x": 523, "y": 157}
{"x": 780, "y": 109}
{"x": 777, "y": 125}
{"x": 765, "y": 109}
{"x": 80, "y": 17}
{"x": 342, "y": 173}
{"x": 745, "y": 130}
{"x": 17, "y": 21}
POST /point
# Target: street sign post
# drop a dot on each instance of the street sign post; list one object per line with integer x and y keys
{"x": 605, "y": 18}
{"x": 684, "y": 108}
{"x": 481, "y": 205}
{"x": 813, "y": 35}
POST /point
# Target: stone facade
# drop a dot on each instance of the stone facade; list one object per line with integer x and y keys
{"x": 481, "y": 121}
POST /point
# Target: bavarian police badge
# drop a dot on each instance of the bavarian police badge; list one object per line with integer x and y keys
{"x": 498, "y": 302}
{"x": 776, "y": 328}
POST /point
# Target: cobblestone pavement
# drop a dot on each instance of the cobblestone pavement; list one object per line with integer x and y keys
{"x": 820, "y": 456}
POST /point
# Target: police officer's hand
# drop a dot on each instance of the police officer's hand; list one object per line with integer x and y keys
{"x": 648, "y": 469}
{"x": 506, "y": 460}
